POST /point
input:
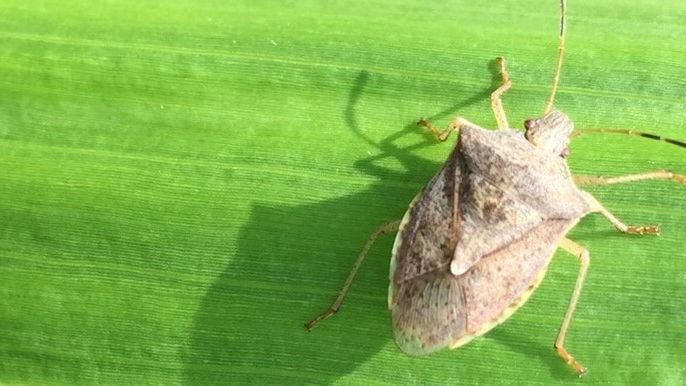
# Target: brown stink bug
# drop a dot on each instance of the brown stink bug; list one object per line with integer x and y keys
{"x": 476, "y": 241}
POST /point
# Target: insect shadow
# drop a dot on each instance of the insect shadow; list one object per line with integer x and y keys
{"x": 266, "y": 342}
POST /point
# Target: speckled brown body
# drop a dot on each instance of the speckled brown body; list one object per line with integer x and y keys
{"x": 477, "y": 240}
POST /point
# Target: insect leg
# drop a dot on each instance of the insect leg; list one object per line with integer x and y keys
{"x": 580, "y": 252}
{"x": 389, "y": 227}
{"x": 496, "y": 103}
{"x": 596, "y": 206}
{"x": 583, "y": 179}
{"x": 441, "y": 135}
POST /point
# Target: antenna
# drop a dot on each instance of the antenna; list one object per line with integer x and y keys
{"x": 560, "y": 54}
{"x": 629, "y": 132}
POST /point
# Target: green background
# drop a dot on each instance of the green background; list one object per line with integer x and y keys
{"x": 184, "y": 183}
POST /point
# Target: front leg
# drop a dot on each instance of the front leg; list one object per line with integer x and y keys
{"x": 596, "y": 206}
{"x": 496, "y": 101}
{"x": 441, "y": 135}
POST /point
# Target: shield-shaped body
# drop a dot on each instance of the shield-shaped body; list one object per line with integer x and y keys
{"x": 477, "y": 240}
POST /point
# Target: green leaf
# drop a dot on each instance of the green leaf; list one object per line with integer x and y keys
{"x": 184, "y": 184}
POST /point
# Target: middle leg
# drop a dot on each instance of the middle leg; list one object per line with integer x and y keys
{"x": 596, "y": 206}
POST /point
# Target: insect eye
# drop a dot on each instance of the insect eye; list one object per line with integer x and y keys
{"x": 565, "y": 153}
{"x": 530, "y": 124}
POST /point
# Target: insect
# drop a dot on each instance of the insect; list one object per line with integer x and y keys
{"x": 476, "y": 241}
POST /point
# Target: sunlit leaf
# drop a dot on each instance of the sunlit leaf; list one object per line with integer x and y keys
{"x": 184, "y": 183}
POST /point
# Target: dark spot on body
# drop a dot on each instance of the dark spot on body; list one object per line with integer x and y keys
{"x": 488, "y": 209}
{"x": 565, "y": 153}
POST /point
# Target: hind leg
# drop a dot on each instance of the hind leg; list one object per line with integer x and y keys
{"x": 389, "y": 227}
